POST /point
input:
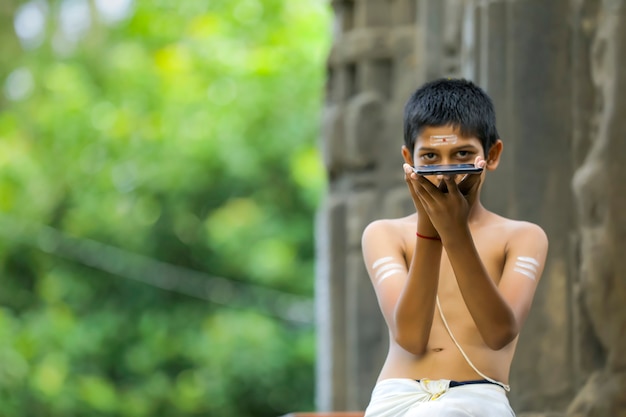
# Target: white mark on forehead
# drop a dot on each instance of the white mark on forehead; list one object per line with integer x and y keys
{"x": 527, "y": 266}
{"x": 437, "y": 140}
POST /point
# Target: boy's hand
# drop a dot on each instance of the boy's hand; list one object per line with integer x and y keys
{"x": 424, "y": 225}
{"x": 447, "y": 206}
{"x": 471, "y": 183}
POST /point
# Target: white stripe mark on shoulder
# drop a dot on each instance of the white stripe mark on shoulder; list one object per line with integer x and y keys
{"x": 527, "y": 266}
{"x": 526, "y": 272}
{"x": 530, "y": 267}
{"x": 381, "y": 261}
{"x": 529, "y": 260}
{"x": 389, "y": 274}
{"x": 388, "y": 268}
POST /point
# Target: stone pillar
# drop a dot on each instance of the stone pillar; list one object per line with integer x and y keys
{"x": 555, "y": 70}
{"x": 523, "y": 62}
{"x": 601, "y": 202}
{"x": 372, "y": 67}
{"x": 518, "y": 52}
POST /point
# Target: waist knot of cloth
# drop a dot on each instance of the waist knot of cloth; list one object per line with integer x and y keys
{"x": 403, "y": 397}
{"x": 434, "y": 388}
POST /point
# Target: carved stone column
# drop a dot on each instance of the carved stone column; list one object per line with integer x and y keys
{"x": 518, "y": 52}
{"x": 557, "y": 73}
{"x": 372, "y": 67}
{"x": 599, "y": 186}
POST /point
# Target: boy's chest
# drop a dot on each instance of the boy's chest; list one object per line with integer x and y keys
{"x": 492, "y": 255}
{"x": 492, "y": 259}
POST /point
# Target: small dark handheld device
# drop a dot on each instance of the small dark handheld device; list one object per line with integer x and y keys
{"x": 447, "y": 169}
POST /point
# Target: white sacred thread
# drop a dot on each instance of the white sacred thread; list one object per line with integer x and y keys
{"x": 386, "y": 269}
{"x": 527, "y": 266}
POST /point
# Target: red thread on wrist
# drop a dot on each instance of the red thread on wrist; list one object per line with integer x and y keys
{"x": 428, "y": 237}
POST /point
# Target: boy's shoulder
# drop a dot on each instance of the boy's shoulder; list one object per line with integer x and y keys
{"x": 514, "y": 224}
{"x": 389, "y": 230}
{"x": 494, "y": 224}
{"x": 512, "y": 228}
{"x": 389, "y": 235}
{"x": 391, "y": 225}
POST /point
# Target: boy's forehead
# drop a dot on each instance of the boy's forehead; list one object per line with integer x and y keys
{"x": 429, "y": 131}
{"x": 441, "y": 135}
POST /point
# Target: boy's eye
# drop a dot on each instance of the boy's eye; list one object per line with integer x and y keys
{"x": 428, "y": 156}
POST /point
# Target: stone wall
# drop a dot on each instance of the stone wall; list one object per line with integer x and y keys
{"x": 600, "y": 190}
{"x": 372, "y": 65}
{"x": 555, "y": 70}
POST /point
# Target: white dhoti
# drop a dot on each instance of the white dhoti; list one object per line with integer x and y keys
{"x": 401, "y": 397}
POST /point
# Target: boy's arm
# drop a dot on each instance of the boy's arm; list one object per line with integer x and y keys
{"x": 406, "y": 295}
{"x": 499, "y": 310}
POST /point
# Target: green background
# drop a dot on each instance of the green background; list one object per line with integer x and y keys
{"x": 159, "y": 177}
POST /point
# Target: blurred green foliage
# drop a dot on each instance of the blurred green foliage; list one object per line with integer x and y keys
{"x": 145, "y": 152}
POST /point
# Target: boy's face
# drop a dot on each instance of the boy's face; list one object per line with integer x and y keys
{"x": 445, "y": 145}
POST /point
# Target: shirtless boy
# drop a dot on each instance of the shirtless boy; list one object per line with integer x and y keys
{"x": 454, "y": 281}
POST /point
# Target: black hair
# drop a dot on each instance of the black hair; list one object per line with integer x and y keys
{"x": 456, "y": 102}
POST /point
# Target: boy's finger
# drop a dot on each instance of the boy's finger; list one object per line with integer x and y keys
{"x": 480, "y": 162}
{"x": 469, "y": 183}
{"x": 408, "y": 171}
{"x": 428, "y": 189}
{"x": 426, "y": 184}
{"x": 453, "y": 187}
{"x": 411, "y": 188}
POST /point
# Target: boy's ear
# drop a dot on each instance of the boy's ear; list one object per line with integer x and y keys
{"x": 406, "y": 154}
{"x": 493, "y": 157}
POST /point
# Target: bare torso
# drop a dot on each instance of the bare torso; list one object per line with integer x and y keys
{"x": 443, "y": 359}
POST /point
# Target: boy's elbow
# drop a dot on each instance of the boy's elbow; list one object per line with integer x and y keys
{"x": 411, "y": 345}
{"x": 500, "y": 340}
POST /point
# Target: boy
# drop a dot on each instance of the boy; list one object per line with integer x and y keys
{"x": 454, "y": 281}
